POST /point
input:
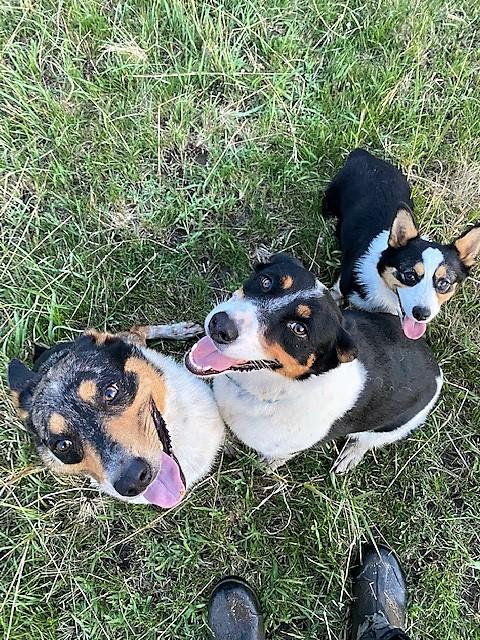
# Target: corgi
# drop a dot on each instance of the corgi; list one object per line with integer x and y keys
{"x": 291, "y": 371}
{"x": 386, "y": 264}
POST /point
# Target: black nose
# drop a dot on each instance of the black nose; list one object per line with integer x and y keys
{"x": 134, "y": 478}
{"x": 222, "y": 329}
{"x": 421, "y": 313}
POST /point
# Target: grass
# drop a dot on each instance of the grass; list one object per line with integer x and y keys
{"x": 147, "y": 149}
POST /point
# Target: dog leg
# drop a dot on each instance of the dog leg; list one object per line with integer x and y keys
{"x": 273, "y": 464}
{"x": 351, "y": 454}
{"x": 336, "y": 293}
{"x": 231, "y": 447}
{"x": 176, "y": 331}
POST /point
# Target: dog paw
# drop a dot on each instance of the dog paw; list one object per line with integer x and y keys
{"x": 230, "y": 450}
{"x": 272, "y": 464}
{"x": 351, "y": 454}
{"x": 337, "y": 294}
{"x": 185, "y": 330}
{"x": 176, "y": 331}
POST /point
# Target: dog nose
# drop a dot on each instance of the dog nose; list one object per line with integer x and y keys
{"x": 222, "y": 328}
{"x": 421, "y": 313}
{"x": 134, "y": 478}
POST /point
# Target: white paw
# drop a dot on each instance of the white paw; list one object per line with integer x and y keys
{"x": 336, "y": 293}
{"x": 231, "y": 450}
{"x": 184, "y": 330}
{"x": 272, "y": 464}
{"x": 351, "y": 454}
{"x": 176, "y": 331}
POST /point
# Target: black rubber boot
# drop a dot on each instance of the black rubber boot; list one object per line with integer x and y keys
{"x": 234, "y": 612}
{"x": 380, "y": 597}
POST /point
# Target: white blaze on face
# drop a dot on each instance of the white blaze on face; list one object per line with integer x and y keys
{"x": 245, "y": 316}
{"x": 423, "y": 294}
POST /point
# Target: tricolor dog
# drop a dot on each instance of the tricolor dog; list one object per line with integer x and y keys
{"x": 386, "y": 265}
{"x": 291, "y": 371}
{"x": 140, "y": 426}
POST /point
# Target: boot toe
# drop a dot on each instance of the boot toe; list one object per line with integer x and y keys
{"x": 234, "y": 612}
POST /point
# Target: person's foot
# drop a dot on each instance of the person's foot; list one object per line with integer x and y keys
{"x": 380, "y": 596}
{"x": 234, "y": 612}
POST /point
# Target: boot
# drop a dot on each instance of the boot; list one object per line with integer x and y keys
{"x": 234, "y": 612}
{"x": 380, "y": 597}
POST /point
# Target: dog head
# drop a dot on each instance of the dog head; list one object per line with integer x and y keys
{"x": 424, "y": 274}
{"x": 95, "y": 408}
{"x": 282, "y": 319}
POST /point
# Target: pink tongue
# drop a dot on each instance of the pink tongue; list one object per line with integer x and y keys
{"x": 206, "y": 356}
{"x": 413, "y": 329}
{"x": 167, "y": 490}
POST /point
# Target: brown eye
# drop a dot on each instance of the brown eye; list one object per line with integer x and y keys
{"x": 266, "y": 283}
{"x": 443, "y": 285}
{"x": 298, "y": 329}
{"x": 110, "y": 392}
{"x": 410, "y": 278}
{"x": 63, "y": 445}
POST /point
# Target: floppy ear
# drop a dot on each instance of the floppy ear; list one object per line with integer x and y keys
{"x": 468, "y": 246}
{"x": 20, "y": 381}
{"x": 403, "y": 229}
{"x": 346, "y": 346}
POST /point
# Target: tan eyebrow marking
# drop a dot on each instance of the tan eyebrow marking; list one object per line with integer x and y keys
{"x": 304, "y": 311}
{"x": 441, "y": 271}
{"x": 420, "y": 269}
{"x": 57, "y": 423}
{"x": 87, "y": 390}
{"x": 286, "y": 281}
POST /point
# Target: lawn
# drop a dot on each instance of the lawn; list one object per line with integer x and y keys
{"x": 147, "y": 149}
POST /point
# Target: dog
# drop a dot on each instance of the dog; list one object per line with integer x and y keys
{"x": 292, "y": 371}
{"x": 105, "y": 406}
{"x": 386, "y": 265}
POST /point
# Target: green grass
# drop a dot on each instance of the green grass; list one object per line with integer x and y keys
{"x": 147, "y": 149}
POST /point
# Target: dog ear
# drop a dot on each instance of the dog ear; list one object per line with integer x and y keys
{"x": 21, "y": 382}
{"x": 403, "y": 229}
{"x": 38, "y": 351}
{"x": 468, "y": 246}
{"x": 346, "y": 346}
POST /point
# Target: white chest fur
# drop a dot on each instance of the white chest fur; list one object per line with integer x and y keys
{"x": 279, "y": 417}
{"x": 379, "y": 297}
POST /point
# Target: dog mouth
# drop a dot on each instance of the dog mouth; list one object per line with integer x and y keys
{"x": 412, "y": 328}
{"x": 205, "y": 359}
{"x": 168, "y": 487}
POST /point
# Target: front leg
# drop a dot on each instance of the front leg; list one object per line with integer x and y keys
{"x": 348, "y": 458}
{"x": 273, "y": 463}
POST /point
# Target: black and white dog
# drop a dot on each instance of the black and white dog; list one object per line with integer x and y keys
{"x": 386, "y": 265}
{"x": 297, "y": 372}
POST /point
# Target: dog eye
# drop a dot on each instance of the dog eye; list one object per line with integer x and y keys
{"x": 298, "y": 329}
{"x": 63, "y": 445}
{"x": 410, "y": 277}
{"x": 266, "y": 283}
{"x": 110, "y": 392}
{"x": 443, "y": 285}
